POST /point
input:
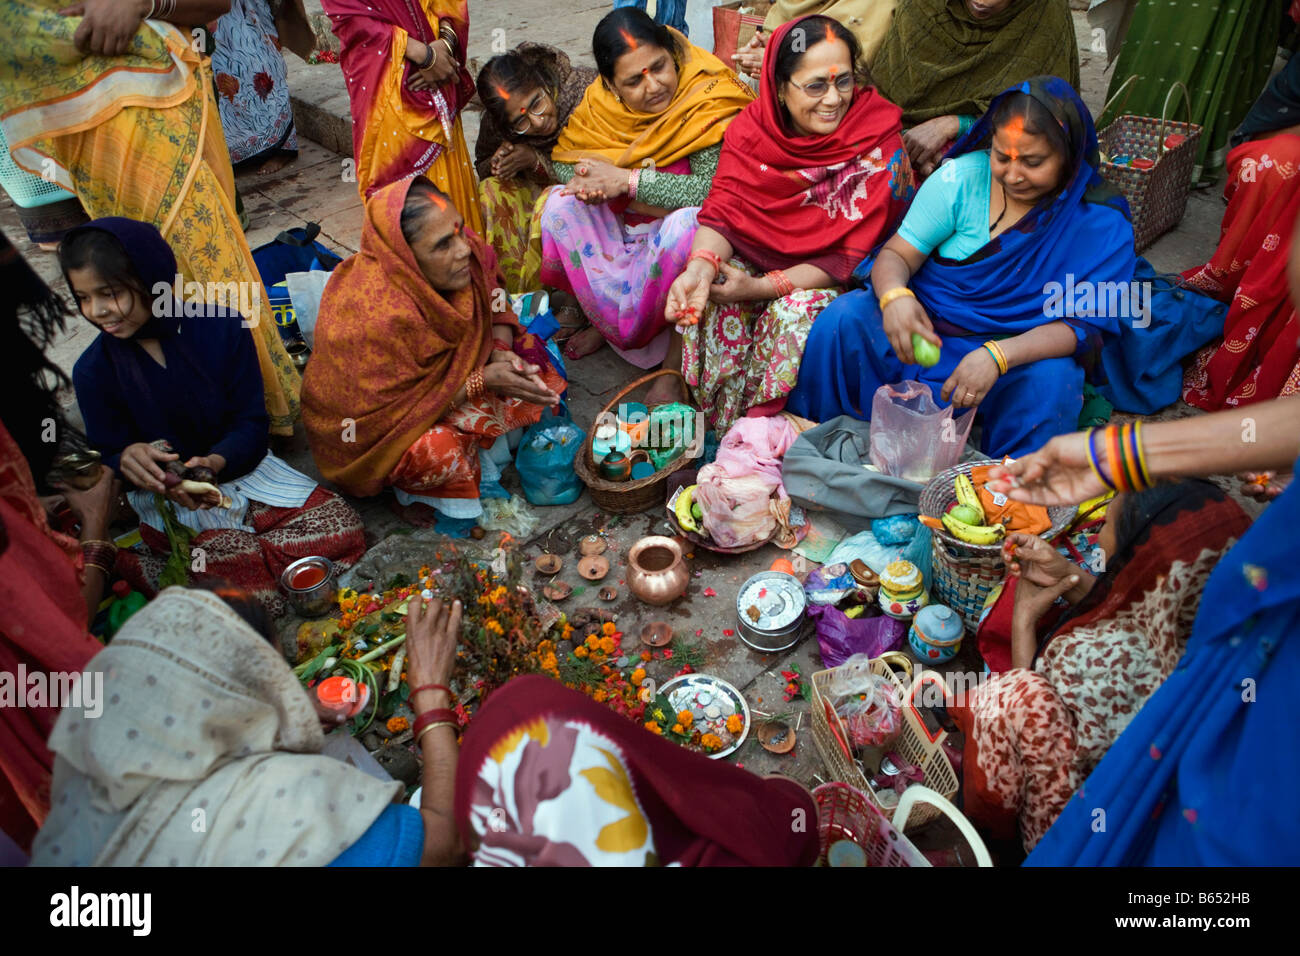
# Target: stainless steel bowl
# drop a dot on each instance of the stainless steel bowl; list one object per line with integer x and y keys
{"x": 316, "y": 600}
{"x": 770, "y": 608}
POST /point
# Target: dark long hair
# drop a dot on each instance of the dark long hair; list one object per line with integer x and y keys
{"x": 31, "y": 316}
{"x": 511, "y": 73}
{"x": 805, "y": 35}
{"x": 422, "y": 194}
{"x": 1037, "y": 120}
{"x": 105, "y": 254}
{"x": 625, "y": 29}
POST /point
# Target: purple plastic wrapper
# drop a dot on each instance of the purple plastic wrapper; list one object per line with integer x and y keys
{"x": 840, "y": 636}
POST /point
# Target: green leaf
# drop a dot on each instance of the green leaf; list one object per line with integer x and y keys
{"x": 316, "y": 663}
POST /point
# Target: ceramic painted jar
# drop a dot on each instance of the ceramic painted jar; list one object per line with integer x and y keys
{"x": 936, "y": 634}
{"x": 901, "y": 578}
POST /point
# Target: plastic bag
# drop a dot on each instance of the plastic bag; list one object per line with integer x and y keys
{"x": 673, "y": 431}
{"x": 868, "y": 704}
{"x": 840, "y": 637}
{"x": 911, "y": 436}
{"x": 545, "y": 459}
{"x": 511, "y": 515}
{"x": 305, "y": 291}
{"x": 895, "y": 530}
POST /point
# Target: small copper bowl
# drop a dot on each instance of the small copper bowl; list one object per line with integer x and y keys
{"x": 593, "y": 567}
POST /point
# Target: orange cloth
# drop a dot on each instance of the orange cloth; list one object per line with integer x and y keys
{"x": 1031, "y": 519}
{"x": 708, "y": 97}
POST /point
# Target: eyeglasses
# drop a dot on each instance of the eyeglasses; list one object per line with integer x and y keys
{"x": 537, "y": 107}
{"x": 844, "y": 84}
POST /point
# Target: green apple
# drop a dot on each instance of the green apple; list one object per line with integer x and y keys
{"x": 926, "y": 352}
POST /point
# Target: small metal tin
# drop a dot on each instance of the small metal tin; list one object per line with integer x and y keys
{"x": 316, "y": 600}
{"x": 770, "y": 608}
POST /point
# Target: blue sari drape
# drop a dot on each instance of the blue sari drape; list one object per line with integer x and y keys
{"x": 1038, "y": 271}
{"x": 1205, "y": 775}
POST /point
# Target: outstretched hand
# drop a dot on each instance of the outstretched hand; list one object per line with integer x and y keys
{"x": 1056, "y": 474}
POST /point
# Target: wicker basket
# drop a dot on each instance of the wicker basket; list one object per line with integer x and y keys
{"x": 733, "y": 29}
{"x": 641, "y": 494}
{"x": 963, "y": 574}
{"x": 1157, "y": 197}
{"x": 914, "y": 744}
{"x": 844, "y": 813}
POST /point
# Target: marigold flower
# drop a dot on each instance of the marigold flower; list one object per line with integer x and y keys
{"x": 638, "y": 676}
{"x": 647, "y": 656}
{"x": 711, "y": 742}
{"x": 397, "y": 724}
{"x": 493, "y": 625}
{"x": 599, "y": 695}
{"x": 592, "y": 641}
{"x": 656, "y": 729}
{"x": 735, "y": 723}
{"x": 608, "y": 628}
{"x": 580, "y": 651}
{"x": 607, "y": 645}
{"x": 685, "y": 718}
{"x": 679, "y": 729}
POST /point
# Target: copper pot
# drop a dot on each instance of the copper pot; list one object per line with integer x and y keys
{"x": 657, "y": 571}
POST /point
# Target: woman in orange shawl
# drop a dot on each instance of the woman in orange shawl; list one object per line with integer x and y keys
{"x": 638, "y": 155}
{"x": 404, "y": 61}
{"x": 417, "y": 365}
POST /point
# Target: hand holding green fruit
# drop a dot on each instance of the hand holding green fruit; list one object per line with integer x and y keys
{"x": 925, "y": 351}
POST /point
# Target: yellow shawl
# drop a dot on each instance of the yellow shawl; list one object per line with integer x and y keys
{"x": 708, "y": 97}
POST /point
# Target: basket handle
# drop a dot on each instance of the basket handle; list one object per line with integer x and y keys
{"x": 1164, "y": 113}
{"x": 926, "y": 677}
{"x": 917, "y": 793}
{"x": 1123, "y": 87}
{"x": 613, "y": 402}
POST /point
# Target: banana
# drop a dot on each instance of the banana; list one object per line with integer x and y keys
{"x": 967, "y": 495}
{"x": 682, "y": 509}
{"x": 972, "y": 534}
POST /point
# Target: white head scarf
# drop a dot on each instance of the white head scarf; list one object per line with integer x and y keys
{"x": 206, "y": 753}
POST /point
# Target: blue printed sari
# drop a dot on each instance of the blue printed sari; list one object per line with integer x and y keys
{"x": 1206, "y": 773}
{"x": 1026, "y": 277}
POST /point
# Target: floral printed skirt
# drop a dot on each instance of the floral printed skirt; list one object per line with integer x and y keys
{"x": 748, "y": 353}
{"x": 512, "y": 216}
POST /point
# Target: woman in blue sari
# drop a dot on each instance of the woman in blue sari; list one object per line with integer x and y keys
{"x": 1204, "y": 775}
{"x": 999, "y": 262}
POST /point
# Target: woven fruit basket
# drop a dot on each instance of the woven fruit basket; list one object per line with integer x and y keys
{"x": 1157, "y": 196}
{"x": 640, "y": 494}
{"x": 963, "y": 574}
{"x": 914, "y": 744}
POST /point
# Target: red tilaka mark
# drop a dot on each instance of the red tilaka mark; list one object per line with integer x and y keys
{"x": 628, "y": 39}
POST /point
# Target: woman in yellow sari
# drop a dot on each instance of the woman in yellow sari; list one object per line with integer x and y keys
{"x": 638, "y": 157}
{"x": 404, "y": 61}
{"x": 120, "y": 111}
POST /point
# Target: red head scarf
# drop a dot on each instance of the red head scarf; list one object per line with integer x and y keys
{"x": 825, "y": 200}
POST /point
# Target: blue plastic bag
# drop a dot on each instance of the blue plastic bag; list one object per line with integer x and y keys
{"x": 545, "y": 459}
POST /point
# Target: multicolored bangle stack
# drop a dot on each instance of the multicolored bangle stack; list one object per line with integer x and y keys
{"x": 633, "y": 182}
{"x": 100, "y": 554}
{"x": 712, "y": 258}
{"x": 474, "y": 385}
{"x": 999, "y": 357}
{"x": 1125, "y": 457}
{"x": 780, "y": 282}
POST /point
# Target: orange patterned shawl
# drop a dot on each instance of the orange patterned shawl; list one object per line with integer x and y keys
{"x": 391, "y": 351}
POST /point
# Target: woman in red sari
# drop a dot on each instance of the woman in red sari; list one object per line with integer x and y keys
{"x": 404, "y": 61}
{"x": 813, "y": 175}
{"x": 1259, "y": 355}
{"x": 50, "y": 585}
{"x": 417, "y": 365}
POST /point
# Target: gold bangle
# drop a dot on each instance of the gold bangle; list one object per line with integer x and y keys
{"x": 441, "y": 723}
{"x": 893, "y": 294}
{"x": 111, "y": 544}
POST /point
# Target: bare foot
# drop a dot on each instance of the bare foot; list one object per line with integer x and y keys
{"x": 586, "y": 342}
{"x": 274, "y": 165}
{"x": 665, "y": 391}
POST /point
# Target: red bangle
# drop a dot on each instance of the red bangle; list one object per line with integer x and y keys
{"x": 499, "y": 346}
{"x": 450, "y": 693}
{"x": 708, "y": 256}
{"x": 443, "y": 714}
{"x": 780, "y": 282}
{"x": 474, "y": 385}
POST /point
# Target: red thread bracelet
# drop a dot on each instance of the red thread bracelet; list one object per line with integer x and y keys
{"x": 712, "y": 258}
{"x": 450, "y": 692}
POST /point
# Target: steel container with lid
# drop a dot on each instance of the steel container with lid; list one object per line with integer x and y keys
{"x": 770, "y": 607}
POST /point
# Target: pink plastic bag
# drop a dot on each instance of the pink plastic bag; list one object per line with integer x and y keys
{"x": 911, "y": 436}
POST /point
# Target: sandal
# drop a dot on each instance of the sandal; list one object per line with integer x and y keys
{"x": 571, "y": 321}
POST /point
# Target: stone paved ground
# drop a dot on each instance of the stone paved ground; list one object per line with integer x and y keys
{"x": 312, "y": 189}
